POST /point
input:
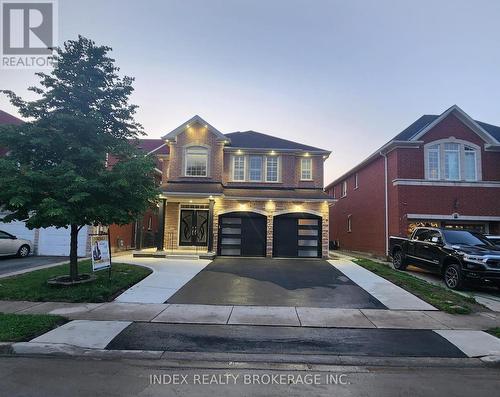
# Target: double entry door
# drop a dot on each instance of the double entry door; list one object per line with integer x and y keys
{"x": 193, "y": 228}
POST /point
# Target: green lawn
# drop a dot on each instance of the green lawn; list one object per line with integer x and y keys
{"x": 22, "y": 327}
{"x": 494, "y": 331}
{"x": 439, "y": 297}
{"x": 33, "y": 286}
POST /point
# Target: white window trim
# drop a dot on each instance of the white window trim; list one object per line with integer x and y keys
{"x": 427, "y": 152}
{"x": 207, "y": 165}
{"x": 356, "y": 181}
{"x": 462, "y": 144}
{"x": 459, "y": 152}
{"x": 474, "y": 152}
{"x": 278, "y": 169}
{"x": 233, "y": 167}
{"x": 343, "y": 192}
{"x": 310, "y": 170}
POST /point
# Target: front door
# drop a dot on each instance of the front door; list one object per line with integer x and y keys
{"x": 193, "y": 228}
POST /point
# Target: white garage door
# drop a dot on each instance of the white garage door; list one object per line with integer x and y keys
{"x": 19, "y": 230}
{"x": 53, "y": 241}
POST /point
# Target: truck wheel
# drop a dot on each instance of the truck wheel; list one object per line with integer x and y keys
{"x": 453, "y": 276}
{"x": 398, "y": 261}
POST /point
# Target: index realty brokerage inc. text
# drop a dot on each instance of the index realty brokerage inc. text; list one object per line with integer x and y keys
{"x": 249, "y": 379}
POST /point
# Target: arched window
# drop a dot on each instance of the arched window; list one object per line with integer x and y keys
{"x": 452, "y": 160}
{"x": 196, "y": 161}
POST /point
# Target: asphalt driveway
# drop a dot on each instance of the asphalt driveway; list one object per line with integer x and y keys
{"x": 274, "y": 282}
{"x": 13, "y": 264}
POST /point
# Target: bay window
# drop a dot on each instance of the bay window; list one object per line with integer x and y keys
{"x": 452, "y": 161}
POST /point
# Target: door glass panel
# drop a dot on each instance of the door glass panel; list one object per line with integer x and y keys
{"x": 231, "y": 221}
{"x": 233, "y": 241}
{"x": 308, "y": 253}
{"x": 186, "y": 227}
{"x": 308, "y": 232}
{"x": 231, "y": 230}
{"x": 308, "y": 243}
{"x": 308, "y": 222}
{"x": 201, "y": 227}
{"x": 231, "y": 251}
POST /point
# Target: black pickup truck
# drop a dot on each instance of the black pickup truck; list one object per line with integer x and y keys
{"x": 460, "y": 256}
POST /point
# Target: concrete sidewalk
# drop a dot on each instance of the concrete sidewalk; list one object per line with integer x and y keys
{"x": 257, "y": 315}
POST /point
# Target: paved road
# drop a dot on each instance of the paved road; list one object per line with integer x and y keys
{"x": 69, "y": 377}
{"x": 274, "y": 282}
{"x": 284, "y": 340}
{"x": 13, "y": 264}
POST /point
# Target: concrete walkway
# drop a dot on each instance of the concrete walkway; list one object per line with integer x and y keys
{"x": 389, "y": 294}
{"x": 257, "y": 315}
{"x": 168, "y": 276}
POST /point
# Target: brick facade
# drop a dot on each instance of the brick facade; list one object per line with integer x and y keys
{"x": 471, "y": 203}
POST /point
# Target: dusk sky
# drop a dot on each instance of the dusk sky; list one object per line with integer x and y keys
{"x": 341, "y": 75}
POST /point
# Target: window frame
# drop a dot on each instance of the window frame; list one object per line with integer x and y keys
{"x": 356, "y": 181}
{"x": 186, "y": 162}
{"x": 250, "y": 168}
{"x": 235, "y": 157}
{"x": 302, "y": 168}
{"x": 349, "y": 223}
{"x": 447, "y": 169}
{"x": 277, "y": 169}
{"x": 464, "y": 147}
{"x": 343, "y": 189}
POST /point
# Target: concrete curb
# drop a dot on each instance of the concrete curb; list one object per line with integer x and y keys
{"x": 237, "y": 360}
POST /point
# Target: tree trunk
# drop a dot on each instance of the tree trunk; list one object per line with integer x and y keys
{"x": 73, "y": 253}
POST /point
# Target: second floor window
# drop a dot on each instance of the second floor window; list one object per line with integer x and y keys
{"x": 452, "y": 161}
{"x": 343, "y": 191}
{"x": 306, "y": 169}
{"x": 255, "y": 169}
{"x": 196, "y": 161}
{"x": 238, "y": 168}
{"x": 271, "y": 169}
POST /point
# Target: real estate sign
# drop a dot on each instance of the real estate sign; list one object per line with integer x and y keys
{"x": 101, "y": 257}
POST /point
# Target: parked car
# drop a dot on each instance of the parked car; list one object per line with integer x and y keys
{"x": 460, "y": 256}
{"x": 494, "y": 239}
{"x": 11, "y": 245}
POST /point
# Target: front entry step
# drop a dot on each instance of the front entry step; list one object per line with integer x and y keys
{"x": 170, "y": 255}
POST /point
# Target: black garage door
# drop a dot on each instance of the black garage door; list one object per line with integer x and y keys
{"x": 242, "y": 234}
{"x": 297, "y": 235}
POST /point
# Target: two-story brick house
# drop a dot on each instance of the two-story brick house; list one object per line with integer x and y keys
{"x": 442, "y": 170}
{"x": 242, "y": 194}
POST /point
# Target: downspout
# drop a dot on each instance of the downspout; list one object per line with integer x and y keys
{"x": 386, "y": 204}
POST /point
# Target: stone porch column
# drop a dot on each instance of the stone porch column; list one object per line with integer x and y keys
{"x": 160, "y": 243}
{"x": 211, "y": 225}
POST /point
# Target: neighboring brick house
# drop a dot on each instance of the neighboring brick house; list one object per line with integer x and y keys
{"x": 242, "y": 194}
{"x": 441, "y": 171}
{"x": 144, "y": 232}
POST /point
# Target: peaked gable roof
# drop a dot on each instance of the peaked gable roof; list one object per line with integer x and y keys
{"x": 6, "y": 118}
{"x": 258, "y": 140}
{"x": 410, "y": 135}
{"x": 194, "y": 120}
{"x": 150, "y": 146}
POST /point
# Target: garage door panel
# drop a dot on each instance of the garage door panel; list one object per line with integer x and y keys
{"x": 56, "y": 241}
{"x": 297, "y": 235}
{"x": 19, "y": 230}
{"x": 242, "y": 234}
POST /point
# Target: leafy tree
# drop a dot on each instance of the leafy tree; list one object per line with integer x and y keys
{"x": 56, "y": 172}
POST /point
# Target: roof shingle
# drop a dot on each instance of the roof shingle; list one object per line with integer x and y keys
{"x": 258, "y": 140}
